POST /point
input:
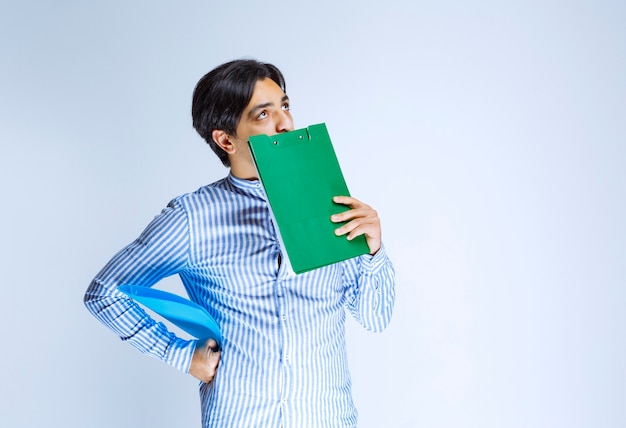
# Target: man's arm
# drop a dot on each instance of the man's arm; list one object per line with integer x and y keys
{"x": 160, "y": 251}
{"x": 370, "y": 278}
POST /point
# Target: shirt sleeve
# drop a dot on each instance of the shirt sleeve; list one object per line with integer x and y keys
{"x": 160, "y": 251}
{"x": 371, "y": 289}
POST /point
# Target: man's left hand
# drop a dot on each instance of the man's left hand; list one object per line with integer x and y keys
{"x": 361, "y": 220}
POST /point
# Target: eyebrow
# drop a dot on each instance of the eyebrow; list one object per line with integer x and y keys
{"x": 258, "y": 107}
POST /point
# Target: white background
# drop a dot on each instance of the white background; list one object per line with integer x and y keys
{"x": 490, "y": 136}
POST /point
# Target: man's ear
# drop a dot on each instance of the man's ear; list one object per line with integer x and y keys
{"x": 223, "y": 140}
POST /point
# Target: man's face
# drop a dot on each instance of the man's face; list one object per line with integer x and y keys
{"x": 266, "y": 113}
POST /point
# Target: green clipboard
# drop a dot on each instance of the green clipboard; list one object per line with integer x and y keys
{"x": 300, "y": 174}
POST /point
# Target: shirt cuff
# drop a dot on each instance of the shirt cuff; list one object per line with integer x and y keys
{"x": 373, "y": 264}
{"x": 179, "y": 353}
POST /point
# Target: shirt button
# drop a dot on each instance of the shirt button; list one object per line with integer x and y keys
{"x": 284, "y": 317}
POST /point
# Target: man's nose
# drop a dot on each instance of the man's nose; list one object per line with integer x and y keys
{"x": 284, "y": 122}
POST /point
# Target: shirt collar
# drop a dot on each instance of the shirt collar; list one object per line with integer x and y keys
{"x": 243, "y": 184}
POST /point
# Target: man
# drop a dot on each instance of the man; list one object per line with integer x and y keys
{"x": 283, "y": 358}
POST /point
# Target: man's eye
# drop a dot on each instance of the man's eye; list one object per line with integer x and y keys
{"x": 262, "y": 115}
{"x": 286, "y": 106}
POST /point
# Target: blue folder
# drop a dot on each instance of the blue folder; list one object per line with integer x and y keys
{"x": 187, "y": 315}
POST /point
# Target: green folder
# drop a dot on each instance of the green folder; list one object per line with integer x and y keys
{"x": 300, "y": 174}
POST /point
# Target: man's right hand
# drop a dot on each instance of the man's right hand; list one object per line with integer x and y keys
{"x": 206, "y": 358}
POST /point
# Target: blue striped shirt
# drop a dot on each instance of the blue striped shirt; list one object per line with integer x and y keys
{"x": 283, "y": 359}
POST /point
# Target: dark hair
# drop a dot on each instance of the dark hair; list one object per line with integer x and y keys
{"x": 222, "y": 95}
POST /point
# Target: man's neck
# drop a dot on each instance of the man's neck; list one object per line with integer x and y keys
{"x": 244, "y": 173}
